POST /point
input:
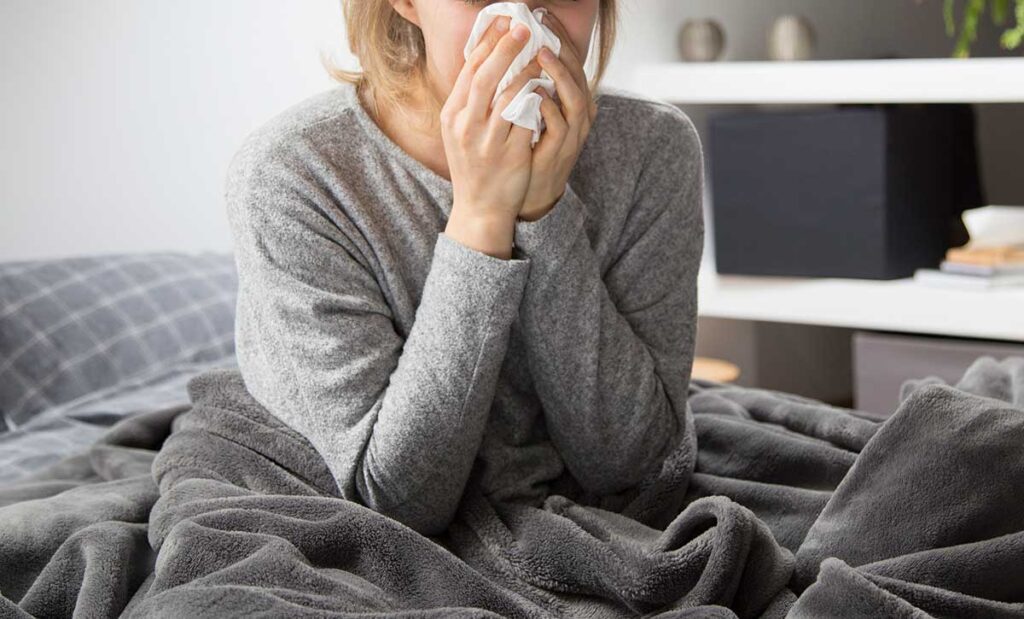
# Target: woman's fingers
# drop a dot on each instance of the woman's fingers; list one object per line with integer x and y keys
{"x": 498, "y": 125}
{"x": 577, "y": 106}
{"x": 460, "y": 91}
{"x": 555, "y": 129}
{"x": 573, "y": 60}
{"x": 570, "y": 56}
{"x": 499, "y": 26}
{"x": 528, "y": 73}
{"x": 485, "y": 80}
{"x": 476, "y": 84}
{"x": 519, "y": 135}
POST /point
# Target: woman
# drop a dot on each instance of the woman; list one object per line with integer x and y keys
{"x": 433, "y": 304}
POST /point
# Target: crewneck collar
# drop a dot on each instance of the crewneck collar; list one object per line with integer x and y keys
{"x": 439, "y": 185}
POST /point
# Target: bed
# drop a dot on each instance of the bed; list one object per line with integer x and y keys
{"x": 138, "y": 478}
{"x": 86, "y": 342}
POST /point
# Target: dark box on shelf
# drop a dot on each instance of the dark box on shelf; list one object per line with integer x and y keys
{"x": 859, "y": 191}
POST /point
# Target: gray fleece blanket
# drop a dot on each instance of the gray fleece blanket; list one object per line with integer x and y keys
{"x": 795, "y": 508}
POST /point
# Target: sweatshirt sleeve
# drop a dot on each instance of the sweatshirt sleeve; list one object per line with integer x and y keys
{"x": 611, "y": 353}
{"x": 398, "y": 420}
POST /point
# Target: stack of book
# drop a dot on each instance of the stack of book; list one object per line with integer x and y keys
{"x": 977, "y": 267}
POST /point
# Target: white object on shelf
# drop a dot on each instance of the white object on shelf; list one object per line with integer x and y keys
{"x": 937, "y": 277}
{"x": 991, "y": 226}
{"x": 701, "y": 40}
{"x": 901, "y": 305}
{"x": 926, "y": 80}
{"x": 791, "y": 37}
{"x": 982, "y": 270}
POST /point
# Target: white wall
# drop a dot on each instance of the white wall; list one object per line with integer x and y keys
{"x": 118, "y": 117}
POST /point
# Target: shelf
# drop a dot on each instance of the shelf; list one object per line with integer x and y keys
{"x": 901, "y": 305}
{"x": 928, "y": 80}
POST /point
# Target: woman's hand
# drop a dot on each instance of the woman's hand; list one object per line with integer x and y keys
{"x": 565, "y": 131}
{"x": 481, "y": 146}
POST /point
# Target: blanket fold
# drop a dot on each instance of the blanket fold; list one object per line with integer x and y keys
{"x": 793, "y": 508}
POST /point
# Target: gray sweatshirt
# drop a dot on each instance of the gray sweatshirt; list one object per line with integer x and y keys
{"x": 416, "y": 365}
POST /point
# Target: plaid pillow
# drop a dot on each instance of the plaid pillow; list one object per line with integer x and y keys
{"x": 74, "y": 325}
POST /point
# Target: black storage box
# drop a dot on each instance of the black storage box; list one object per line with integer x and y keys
{"x": 857, "y": 191}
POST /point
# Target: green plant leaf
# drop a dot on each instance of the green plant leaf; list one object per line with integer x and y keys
{"x": 1000, "y": 10}
{"x": 969, "y": 30}
{"x": 972, "y": 13}
{"x": 1013, "y": 38}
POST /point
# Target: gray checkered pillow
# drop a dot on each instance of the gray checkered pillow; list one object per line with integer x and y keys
{"x": 71, "y": 326}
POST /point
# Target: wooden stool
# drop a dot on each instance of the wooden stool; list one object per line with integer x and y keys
{"x": 715, "y": 369}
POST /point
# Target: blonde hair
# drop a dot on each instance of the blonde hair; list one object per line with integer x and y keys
{"x": 392, "y": 52}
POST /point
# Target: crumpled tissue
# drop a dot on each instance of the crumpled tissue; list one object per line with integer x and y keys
{"x": 524, "y": 109}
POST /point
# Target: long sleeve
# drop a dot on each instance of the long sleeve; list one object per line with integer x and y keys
{"x": 398, "y": 420}
{"x": 611, "y": 355}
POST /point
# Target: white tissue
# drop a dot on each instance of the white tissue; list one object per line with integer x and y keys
{"x": 524, "y": 110}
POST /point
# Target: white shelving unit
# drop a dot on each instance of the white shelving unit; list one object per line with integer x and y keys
{"x": 929, "y": 80}
{"x": 896, "y": 305}
{"x": 900, "y": 305}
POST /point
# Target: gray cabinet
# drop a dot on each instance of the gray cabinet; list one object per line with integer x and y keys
{"x": 882, "y": 361}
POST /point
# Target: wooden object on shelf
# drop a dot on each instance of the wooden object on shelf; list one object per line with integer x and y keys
{"x": 717, "y": 370}
{"x": 986, "y": 256}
